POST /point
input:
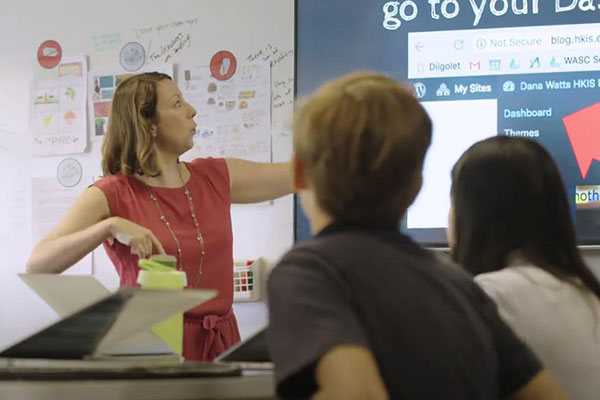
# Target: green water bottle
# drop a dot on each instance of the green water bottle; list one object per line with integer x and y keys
{"x": 159, "y": 273}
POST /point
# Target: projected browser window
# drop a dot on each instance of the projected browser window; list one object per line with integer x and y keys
{"x": 513, "y": 81}
{"x": 523, "y": 68}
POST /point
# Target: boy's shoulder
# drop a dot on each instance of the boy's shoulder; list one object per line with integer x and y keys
{"x": 343, "y": 247}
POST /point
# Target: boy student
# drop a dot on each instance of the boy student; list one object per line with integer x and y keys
{"x": 362, "y": 311}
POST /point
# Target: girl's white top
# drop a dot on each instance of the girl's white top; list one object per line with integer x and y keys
{"x": 560, "y": 321}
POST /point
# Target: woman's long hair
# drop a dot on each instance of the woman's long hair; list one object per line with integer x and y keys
{"x": 508, "y": 198}
{"x": 128, "y": 146}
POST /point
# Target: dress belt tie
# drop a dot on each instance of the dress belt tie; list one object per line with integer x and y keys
{"x": 215, "y": 342}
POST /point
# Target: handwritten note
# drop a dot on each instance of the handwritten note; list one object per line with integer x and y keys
{"x": 282, "y": 95}
{"x": 161, "y": 28}
{"x": 271, "y": 53}
{"x": 283, "y": 92}
{"x": 169, "y": 49}
{"x": 106, "y": 42}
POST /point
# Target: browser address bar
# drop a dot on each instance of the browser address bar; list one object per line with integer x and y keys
{"x": 537, "y": 41}
{"x": 504, "y": 51}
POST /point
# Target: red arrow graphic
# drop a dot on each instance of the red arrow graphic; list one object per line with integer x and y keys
{"x": 583, "y": 129}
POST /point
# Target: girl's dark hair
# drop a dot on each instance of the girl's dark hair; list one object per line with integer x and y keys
{"x": 508, "y": 196}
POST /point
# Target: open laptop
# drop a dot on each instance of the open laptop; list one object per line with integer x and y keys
{"x": 66, "y": 294}
{"x": 63, "y": 349}
{"x": 96, "y": 327}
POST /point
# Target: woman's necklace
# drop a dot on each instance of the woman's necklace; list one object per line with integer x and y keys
{"x": 199, "y": 237}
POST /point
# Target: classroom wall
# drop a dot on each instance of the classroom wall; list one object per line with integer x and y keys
{"x": 251, "y": 29}
{"x": 248, "y": 28}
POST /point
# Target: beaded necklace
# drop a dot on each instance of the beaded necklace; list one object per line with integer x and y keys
{"x": 164, "y": 219}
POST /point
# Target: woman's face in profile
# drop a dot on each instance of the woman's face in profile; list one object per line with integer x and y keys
{"x": 175, "y": 118}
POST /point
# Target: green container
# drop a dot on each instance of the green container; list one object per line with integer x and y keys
{"x": 170, "y": 330}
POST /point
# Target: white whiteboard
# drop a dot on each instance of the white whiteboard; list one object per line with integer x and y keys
{"x": 250, "y": 29}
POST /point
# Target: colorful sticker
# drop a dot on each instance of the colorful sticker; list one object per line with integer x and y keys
{"x": 132, "y": 56}
{"x": 69, "y": 172}
{"x": 49, "y": 54}
{"x": 223, "y": 65}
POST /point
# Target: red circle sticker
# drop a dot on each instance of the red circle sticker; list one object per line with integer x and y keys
{"x": 49, "y": 54}
{"x": 223, "y": 65}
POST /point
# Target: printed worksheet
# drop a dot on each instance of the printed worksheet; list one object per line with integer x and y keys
{"x": 58, "y": 111}
{"x": 234, "y": 115}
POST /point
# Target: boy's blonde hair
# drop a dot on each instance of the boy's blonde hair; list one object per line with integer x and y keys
{"x": 128, "y": 146}
{"x": 362, "y": 140}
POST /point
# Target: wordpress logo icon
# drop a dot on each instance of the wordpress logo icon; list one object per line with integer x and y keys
{"x": 419, "y": 90}
{"x": 509, "y": 86}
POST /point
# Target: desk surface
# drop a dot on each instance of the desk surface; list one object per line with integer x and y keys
{"x": 252, "y": 385}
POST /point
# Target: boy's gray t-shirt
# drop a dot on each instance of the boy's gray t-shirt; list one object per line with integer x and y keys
{"x": 433, "y": 331}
